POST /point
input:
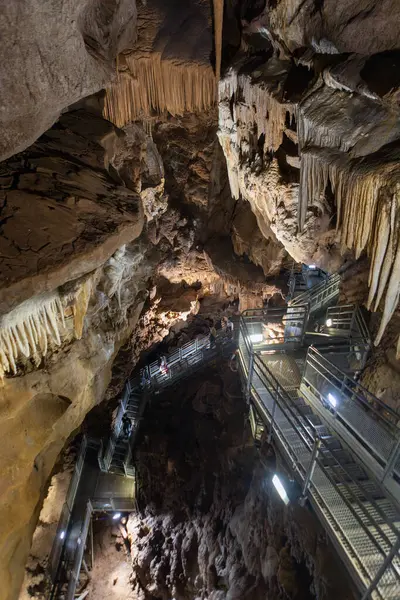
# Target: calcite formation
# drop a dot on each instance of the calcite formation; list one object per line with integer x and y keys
{"x": 311, "y": 141}
{"x": 164, "y": 73}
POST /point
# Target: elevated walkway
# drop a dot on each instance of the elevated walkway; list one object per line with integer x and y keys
{"x": 90, "y": 490}
{"x": 104, "y": 481}
{"x": 303, "y": 278}
{"x": 318, "y": 296}
{"x": 341, "y": 443}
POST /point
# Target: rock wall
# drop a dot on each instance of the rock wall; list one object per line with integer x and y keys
{"x": 52, "y": 55}
{"x": 310, "y": 126}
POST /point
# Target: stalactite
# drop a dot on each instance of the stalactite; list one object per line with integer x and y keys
{"x": 27, "y": 329}
{"x": 218, "y": 24}
{"x": 367, "y": 221}
{"x": 80, "y": 306}
{"x": 155, "y": 85}
{"x": 262, "y": 109}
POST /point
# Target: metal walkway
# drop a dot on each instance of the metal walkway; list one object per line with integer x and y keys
{"x": 303, "y": 278}
{"x": 181, "y": 363}
{"x": 343, "y": 449}
{"x": 319, "y": 296}
{"x": 105, "y": 481}
{"x": 90, "y": 490}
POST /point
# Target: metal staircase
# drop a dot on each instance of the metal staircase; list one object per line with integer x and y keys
{"x": 181, "y": 363}
{"x": 320, "y": 295}
{"x": 118, "y": 454}
{"x": 359, "y": 510}
{"x": 303, "y": 278}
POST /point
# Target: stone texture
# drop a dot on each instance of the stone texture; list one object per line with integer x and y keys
{"x": 210, "y": 524}
{"x": 53, "y": 54}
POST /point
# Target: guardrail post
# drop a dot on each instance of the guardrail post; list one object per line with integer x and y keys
{"x": 382, "y": 569}
{"x": 310, "y": 471}
{"x": 391, "y": 461}
{"x": 250, "y": 376}
{"x": 271, "y": 428}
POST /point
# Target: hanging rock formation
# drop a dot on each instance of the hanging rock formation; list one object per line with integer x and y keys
{"x": 168, "y": 69}
{"x": 312, "y": 139}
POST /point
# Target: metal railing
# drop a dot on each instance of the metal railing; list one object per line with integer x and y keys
{"x": 271, "y": 328}
{"x": 184, "y": 360}
{"x": 367, "y": 424}
{"x": 63, "y": 523}
{"x": 78, "y": 555}
{"x": 365, "y": 536}
{"x": 181, "y": 363}
{"x": 320, "y": 295}
{"x": 302, "y": 279}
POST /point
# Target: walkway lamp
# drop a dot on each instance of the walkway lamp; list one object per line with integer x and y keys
{"x": 280, "y": 488}
{"x": 256, "y": 338}
{"x": 332, "y": 400}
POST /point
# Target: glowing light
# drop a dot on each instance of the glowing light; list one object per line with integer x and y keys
{"x": 332, "y": 400}
{"x": 312, "y": 267}
{"x": 256, "y": 338}
{"x": 329, "y": 322}
{"x": 116, "y": 516}
{"x": 278, "y": 485}
{"x": 62, "y": 535}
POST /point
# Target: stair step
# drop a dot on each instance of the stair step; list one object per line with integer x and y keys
{"x": 332, "y": 442}
{"x": 367, "y": 490}
{"x": 348, "y": 472}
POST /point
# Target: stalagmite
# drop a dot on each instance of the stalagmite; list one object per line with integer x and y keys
{"x": 27, "y": 329}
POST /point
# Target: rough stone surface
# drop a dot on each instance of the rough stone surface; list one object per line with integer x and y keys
{"x": 53, "y": 54}
{"x": 211, "y": 525}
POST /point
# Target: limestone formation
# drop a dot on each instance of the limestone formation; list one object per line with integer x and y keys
{"x": 53, "y": 54}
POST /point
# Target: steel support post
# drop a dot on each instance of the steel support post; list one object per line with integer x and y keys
{"x": 310, "y": 471}
{"x": 271, "y": 428}
{"x": 250, "y": 377}
{"x": 391, "y": 461}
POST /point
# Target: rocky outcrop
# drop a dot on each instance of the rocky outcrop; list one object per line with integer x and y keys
{"x": 312, "y": 135}
{"x": 52, "y": 55}
{"x": 211, "y": 525}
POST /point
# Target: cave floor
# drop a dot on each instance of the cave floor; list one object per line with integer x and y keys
{"x": 112, "y": 569}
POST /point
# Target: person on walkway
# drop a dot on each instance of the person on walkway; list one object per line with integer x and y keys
{"x": 229, "y": 328}
{"x": 163, "y": 365}
{"x": 126, "y": 426}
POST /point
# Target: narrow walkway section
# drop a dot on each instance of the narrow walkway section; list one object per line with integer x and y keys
{"x": 90, "y": 490}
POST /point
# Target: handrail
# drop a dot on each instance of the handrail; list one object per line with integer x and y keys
{"x": 351, "y": 490}
{"x": 363, "y": 396}
{"x": 309, "y": 295}
{"x": 287, "y": 400}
